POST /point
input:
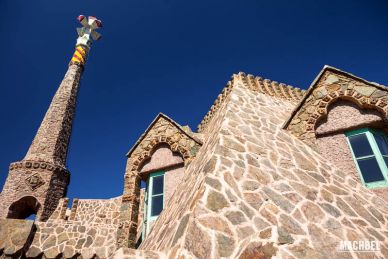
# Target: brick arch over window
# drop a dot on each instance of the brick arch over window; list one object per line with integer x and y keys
{"x": 331, "y": 85}
{"x": 343, "y": 115}
{"x": 161, "y": 156}
{"x": 317, "y": 121}
{"x": 127, "y": 232}
{"x": 361, "y": 101}
{"x": 23, "y": 208}
{"x": 323, "y": 107}
{"x": 139, "y": 159}
{"x": 162, "y": 130}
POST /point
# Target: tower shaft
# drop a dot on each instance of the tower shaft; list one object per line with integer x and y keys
{"x": 52, "y": 139}
{"x": 35, "y": 184}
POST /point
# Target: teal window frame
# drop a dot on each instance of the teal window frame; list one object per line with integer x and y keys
{"x": 148, "y": 199}
{"x": 376, "y": 153}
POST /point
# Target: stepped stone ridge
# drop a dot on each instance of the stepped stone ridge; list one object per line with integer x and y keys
{"x": 269, "y": 174}
{"x": 266, "y": 86}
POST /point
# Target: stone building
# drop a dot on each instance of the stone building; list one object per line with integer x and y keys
{"x": 272, "y": 171}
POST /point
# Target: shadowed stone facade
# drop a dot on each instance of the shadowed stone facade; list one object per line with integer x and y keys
{"x": 267, "y": 175}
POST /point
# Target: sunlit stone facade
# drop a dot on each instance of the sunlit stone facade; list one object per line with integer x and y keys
{"x": 269, "y": 173}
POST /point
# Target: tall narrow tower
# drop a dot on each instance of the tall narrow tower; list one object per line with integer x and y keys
{"x": 35, "y": 184}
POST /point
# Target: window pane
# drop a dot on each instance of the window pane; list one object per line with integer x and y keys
{"x": 382, "y": 143}
{"x": 157, "y": 205}
{"x": 370, "y": 170}
{"x": 360, "y": 145}
{"x": 157, "y": 187}
{"x": 386, "y": 161}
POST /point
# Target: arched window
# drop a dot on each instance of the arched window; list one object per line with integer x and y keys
{"x": 24, "y": 208}
{"x": 161, "y": 174}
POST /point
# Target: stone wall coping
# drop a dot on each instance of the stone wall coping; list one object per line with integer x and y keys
{"x": 318, "y": 78}
{"x": 104, "y": 200}
{"x": 62, "y": 222}
{"x": 255, "y": 83}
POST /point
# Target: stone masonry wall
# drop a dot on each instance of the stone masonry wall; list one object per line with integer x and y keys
{"x": 331, "y": 140}
{"x": 173, "y": 178}
{"x": 176, "y": 212}
{"x": 90, "y": 231}
{"x": 140, "y": 218}
{"x": 257, "y": 191}
{"x": 47, "y": 185}
{"x": 97, "y": 211}
{"x": 67, "y": 239}
{"x": 14, "y": 235}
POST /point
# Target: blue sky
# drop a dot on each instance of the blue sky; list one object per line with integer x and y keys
{"x": 166, "y": 56}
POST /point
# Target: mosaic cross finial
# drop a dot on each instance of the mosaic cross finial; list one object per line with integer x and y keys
{"x": 85, "y": 35}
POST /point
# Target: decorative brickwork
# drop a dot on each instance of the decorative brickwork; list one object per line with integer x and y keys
{"x": 34, "y": 181}
{"x": 330, "y": 86}
{"x": 162, "y": 130}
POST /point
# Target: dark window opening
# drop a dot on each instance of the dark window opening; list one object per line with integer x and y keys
{"x": 25, "y": 208}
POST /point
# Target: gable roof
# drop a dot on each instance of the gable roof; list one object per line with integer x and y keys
{"x": 318, "y": 78}
{"x": 157, "y": 118}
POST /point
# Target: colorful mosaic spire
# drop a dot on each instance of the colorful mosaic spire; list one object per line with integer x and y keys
{"x": 85, "y": 35}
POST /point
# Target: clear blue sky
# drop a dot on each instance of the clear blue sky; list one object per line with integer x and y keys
{"x": 166, "y": 56}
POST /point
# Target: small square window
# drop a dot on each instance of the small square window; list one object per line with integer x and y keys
{"x": 360, "y": 145}
{"x": 370, "y": 153}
